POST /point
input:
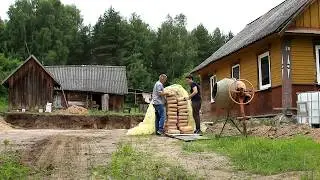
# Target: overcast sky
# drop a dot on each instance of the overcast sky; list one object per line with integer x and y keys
{"x": 227, "y": 14}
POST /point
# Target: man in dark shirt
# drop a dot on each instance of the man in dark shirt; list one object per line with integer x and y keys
{"x": 196, "y": 101}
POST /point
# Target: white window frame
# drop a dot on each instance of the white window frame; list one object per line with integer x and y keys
{"x": 212, "y": 78}
{"x": 237, "y": 65}
{"x": 317, "y": 48}
{"x": 263, "y": 87}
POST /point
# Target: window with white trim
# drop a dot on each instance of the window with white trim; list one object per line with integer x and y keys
{"x": 317, "y": 48}
{"x": 235, "y": 71}
{"x": 264, "y": 71}
{"x": 213, "y": 81}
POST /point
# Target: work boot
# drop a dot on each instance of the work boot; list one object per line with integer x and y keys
{"x": 160, "y": 133}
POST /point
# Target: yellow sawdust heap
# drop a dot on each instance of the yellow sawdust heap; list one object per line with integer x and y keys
{"x": 76, "y": 110}
{"x": 147, "y": 127}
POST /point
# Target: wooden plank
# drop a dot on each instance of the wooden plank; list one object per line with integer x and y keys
{"x": 314, "y": 15}
{"x": 307, "y": 18}
{"x": 299, "y": 21}
{"x": 187, "y": 137}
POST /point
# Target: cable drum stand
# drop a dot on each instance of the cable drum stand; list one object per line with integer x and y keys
{"x": 240, "y": 95}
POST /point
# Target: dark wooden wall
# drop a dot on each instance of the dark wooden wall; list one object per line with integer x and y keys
{"x": 30, "y": 87}
{"x": 116, "y": 102}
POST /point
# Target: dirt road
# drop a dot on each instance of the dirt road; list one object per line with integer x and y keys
{"x": 70, "y": 154}
{"x": 64, "y": 154}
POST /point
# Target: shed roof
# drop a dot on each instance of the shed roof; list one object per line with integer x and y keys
{"x": 91, "y": 78}
{"x": 271, "y": 22}
{"x": 31, "y": 57}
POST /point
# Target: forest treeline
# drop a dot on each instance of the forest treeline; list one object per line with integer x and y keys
{"x": 56, "y": 35}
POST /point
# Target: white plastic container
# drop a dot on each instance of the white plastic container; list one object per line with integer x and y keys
{"x": 308, "y": 105}
{"x": 49, "y": 107}
{"x": 40, "y": 110}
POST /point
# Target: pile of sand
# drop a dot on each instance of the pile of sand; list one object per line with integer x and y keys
{"x": 77, "y": 110}
{"x": 4, "y": 125}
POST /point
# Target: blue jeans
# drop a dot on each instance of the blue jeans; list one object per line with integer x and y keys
{"x": 160, "y": 117}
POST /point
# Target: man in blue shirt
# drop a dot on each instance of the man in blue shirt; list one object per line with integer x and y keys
{"x": 158, "y": 102}
{"x": 196, "y": 101}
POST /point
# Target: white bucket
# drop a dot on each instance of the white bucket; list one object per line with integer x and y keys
{"x": 23, "y": 110}
{"x": 40, "y": 110}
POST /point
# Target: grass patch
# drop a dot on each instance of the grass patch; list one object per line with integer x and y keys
{"x": 108, "y": 113}
{"x": 10, "y": 164}
{"x": 3, "y": 105}
{"x": 127, "y": 163}
{"x": 264, "y": 156}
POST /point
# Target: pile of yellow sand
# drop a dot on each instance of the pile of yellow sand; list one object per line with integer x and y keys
{"x": 76, "y": 110}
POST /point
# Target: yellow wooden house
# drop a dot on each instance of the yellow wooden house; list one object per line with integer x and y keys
{"x": 278, "y": 52}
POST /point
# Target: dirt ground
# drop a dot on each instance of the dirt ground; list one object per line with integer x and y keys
{"x": 70, "y": 154}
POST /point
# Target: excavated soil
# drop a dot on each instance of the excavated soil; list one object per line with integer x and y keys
{"x": 281, "y": 131}
{"x": 4, "y": 125}
{"x": 63, "y": 121}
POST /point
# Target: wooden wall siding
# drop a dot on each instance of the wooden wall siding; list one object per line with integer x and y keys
{"x": 30, "y": 88}
{"x": 116, "y": 102}
{"x": 248, "y": 60}
{"x": 303, "y": 61}
{"x": 262, "y": 104}
{"x": 310, "y": 18}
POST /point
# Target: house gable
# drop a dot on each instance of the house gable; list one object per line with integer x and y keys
{"x": 310, "y": 17}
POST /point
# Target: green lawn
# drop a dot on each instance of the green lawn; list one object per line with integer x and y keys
{"x": 264, "y": 156}
{"x": 128, "y": 163}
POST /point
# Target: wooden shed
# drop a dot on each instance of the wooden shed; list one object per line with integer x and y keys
{"x": 30, "y": 86}
{"x": 90, "y": 86}
{"x": 279, "y": 53}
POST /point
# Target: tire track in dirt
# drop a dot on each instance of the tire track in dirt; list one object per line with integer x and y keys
{"x": 71, "y": 155}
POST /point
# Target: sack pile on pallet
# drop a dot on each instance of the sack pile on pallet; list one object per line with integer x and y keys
{"x": 147, "y": 127}
{"x": 172, "y": 114}
{"x": 177, "y": 114}
{"x": 183, "y": 114}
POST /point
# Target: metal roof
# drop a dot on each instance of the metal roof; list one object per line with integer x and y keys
{"x": 271, "y": 22}
{"x": 91, "y": 78}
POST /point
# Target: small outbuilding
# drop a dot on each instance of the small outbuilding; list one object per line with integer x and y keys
{"x": 90, "y": 86}
{"x": 30, "y": 86}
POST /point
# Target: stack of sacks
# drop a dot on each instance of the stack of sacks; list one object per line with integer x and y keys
{"x": 172, "y": 114}
{"x": 183, "y": 113}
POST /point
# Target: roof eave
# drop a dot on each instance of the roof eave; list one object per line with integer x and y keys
{"x": 197, "y": 70}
